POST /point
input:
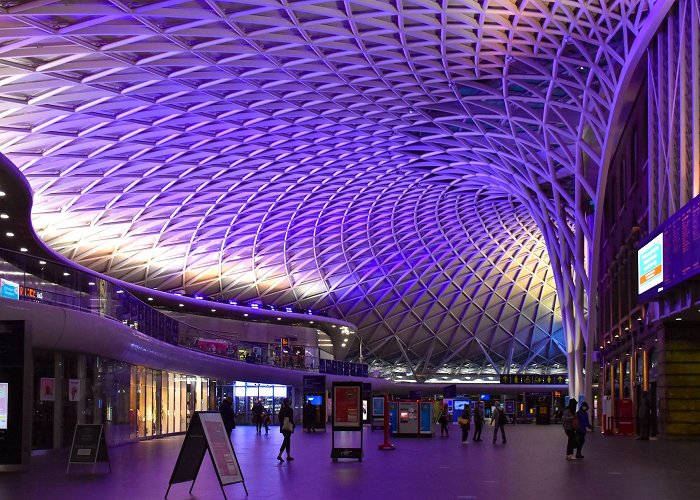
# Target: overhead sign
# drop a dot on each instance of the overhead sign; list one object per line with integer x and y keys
{"x": 533, "y": 379}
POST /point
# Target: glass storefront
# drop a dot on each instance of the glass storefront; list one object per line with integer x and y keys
{"x": 133, "y": 402}
{"x": 246, "y": 393}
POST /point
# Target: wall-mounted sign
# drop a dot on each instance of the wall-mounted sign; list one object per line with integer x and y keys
{"x": 74, "y": 389}
{"x": 9, "y": 289}
{"x": 47, "y": 389}
{"x": 4, "y": 400}
{"x": 533, "y": 379}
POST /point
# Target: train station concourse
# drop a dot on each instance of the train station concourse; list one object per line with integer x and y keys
{"x": 350, "y": 228}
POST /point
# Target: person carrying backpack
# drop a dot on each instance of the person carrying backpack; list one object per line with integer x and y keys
{"x": 499, "y": 420}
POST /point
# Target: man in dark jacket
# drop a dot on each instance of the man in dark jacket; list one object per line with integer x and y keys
{"x": 478, "y": 421}
{"x": 257, "y": 416}
{"x": 228, "y": 415}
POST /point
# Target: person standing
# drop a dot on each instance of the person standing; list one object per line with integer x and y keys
{"x": 257, "y": 416}
{"x": 583, "y": 425}
{"x": 644, "y": 416}
{"x": 478, "y": 421}
{"x": 309, "y": 417}
{"x": 569, "y": 422}
{"x": 228, "y": 415}
{"x": 286, "y": 421}
{"x": 464, "y": 422}
{"x": 442, "y": 420}
{"x": 499, "y": 420}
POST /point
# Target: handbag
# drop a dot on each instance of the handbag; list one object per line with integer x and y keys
{"x": 287, "y": 425}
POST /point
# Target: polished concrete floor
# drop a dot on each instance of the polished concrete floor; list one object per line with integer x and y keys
{"x": 530, "y": 466}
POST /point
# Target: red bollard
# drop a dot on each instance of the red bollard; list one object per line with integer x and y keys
{"x": 386, "y": 445}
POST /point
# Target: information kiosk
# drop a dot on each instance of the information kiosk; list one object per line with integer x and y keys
{"x": 15, "y": 396}
{"x": 207, "y": 433}
{"x": 347, "y": 419}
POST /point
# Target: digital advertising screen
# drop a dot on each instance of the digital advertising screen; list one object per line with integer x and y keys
{"x": 4, "y": 387}
{"x": 671, "y": 253}
{"x": 315, "y": 400}
{"x": 650, "y": 264}
{"x": 347, "y": 406}
{"x": 460, "y": 404}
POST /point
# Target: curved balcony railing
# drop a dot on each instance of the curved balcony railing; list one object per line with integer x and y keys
{"x": 25, "y": 277}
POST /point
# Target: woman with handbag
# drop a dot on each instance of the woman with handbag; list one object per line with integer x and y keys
{"x": 286, "y": 420}
{"x": 464, "y": 421}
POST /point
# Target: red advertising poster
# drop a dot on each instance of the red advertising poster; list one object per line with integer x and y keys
{"x": 46, "y": 388}
{"x": 220, "y": 448}
{"x": 348, "y": 406}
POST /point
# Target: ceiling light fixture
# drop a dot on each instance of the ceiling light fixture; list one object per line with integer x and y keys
{"x": 42, "y": 262}
{"x": 9, "y": 235}
{"x": 4, "y": 216}
{"x": 23, "y": 249}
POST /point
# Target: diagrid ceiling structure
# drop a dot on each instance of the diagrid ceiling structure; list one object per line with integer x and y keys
{"x": 420, "y": 168}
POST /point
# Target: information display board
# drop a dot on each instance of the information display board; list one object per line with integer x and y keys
{"x": 671, "y": 254}
{"x": 531, "y": 379}
{"x": 89, "y": 445}
{"x": 347, "y": 416}
{"x": 347, "y": 406}
{"x": 378, "y": 406}
{"x": 426, "y": 417}
{"x": 207, "y": 432}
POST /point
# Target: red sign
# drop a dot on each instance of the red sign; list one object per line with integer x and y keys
{"x": 348, "y": 410}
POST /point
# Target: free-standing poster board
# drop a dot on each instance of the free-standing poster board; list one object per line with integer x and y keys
{"x": 207, "y": 432}
{"x": 89, "y": 446}
{"x": 347, "y": 416}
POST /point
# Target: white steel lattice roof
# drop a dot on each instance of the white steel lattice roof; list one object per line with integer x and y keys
{"x": 409, "y": 166}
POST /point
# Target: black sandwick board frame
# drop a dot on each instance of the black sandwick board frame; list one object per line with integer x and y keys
{"x": 89, "y": 446}
{"x": 192, "y": 452}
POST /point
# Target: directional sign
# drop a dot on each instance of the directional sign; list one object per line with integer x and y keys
{"x": 533, "y": 379}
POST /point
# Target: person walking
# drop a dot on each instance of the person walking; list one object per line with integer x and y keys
{"x": 286, "y": 421}
{"x": 499, "y": 421}
{"x": 569, "y": 422}
{"x": 478, "y": 421}
{"x": 257, "y": 416}
{"x": 464, "y": 422}
{"x": 265, "y": 419}
{"x": 442, "y": 420}
{"x": 583, "y": 425}
{"x": 228, "y": 415}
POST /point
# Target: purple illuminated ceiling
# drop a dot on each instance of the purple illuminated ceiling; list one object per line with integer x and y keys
{"x": 407, "y": 166}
